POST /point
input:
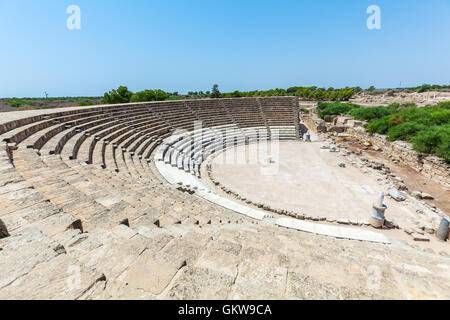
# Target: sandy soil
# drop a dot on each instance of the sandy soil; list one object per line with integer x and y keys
{"x": 415, "y": 181}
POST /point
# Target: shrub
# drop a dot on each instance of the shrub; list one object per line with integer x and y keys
{"x": 370, "y": 113}
{"x": 85, "y": 103}
{"x": 427, "y": 128}
{"x": 395, "y": 120}
{"x": 435, "y": 139}
{"x": 443, "y": 150}
{"x": 380, "y": 126}
{"x": 15, "y": 104}
{"x": 335, "y": 108}
{"x": 404, "y": 131}
{"x": 444, "y": 105}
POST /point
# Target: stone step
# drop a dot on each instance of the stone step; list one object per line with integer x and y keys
{"x": 69, "y": 191}
{"x": 37, "y": 267}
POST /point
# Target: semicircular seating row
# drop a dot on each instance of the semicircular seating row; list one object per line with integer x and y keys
{"x": 136, "y": 129}
{"x": 56, "y": 151}
{"x": 180, "y": 157}
{"x": 188, "y": 151}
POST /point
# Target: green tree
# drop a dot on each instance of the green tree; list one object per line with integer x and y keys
{"x": 215, "y": 92}
{"x": 424, "y": 88}
{"x": 121, "y": 95}
{"x": 236, "y": 94}
{"x": 321, "y": 95}
{"x": 149, "y": 95}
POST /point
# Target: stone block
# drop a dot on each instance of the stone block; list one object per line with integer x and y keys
{"x": 153, "y": 272}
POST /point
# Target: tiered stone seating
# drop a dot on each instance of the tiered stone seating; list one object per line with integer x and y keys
{"x": 176, "y": 114}
{"x": 81, "y": 196}
{"x": 211, "y": 113}
{"x": 282, "y": 115}
{"x": 187, "y": 152}
{"x": 246, "y": 112}
{"x": 279, "y": 111}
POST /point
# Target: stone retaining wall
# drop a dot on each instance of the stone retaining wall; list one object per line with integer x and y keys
{"x": 430, "y": 166}
{"x": 314, "y": 123}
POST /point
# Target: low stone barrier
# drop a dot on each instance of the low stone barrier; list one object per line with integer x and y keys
{"x": 430, "y": 166}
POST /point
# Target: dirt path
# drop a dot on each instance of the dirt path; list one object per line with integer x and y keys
{"x": 414, "y": 180}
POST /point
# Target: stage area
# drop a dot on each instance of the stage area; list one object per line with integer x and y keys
{"x": 303, "y": 178}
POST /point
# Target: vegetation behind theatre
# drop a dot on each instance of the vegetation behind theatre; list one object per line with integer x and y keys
{"x": 427, "y": 128}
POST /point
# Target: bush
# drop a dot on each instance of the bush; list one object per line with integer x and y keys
{"x": 443, "y": 151}
{"x": 405, "y": 131}
{"x": 336, "y": 108}
{"x": 440, "y": 116}
{"x": 15, "y": 104}
{"x": 369, "y": 114}
{"x": 85, "y": 103}
{"x": 443, "y": 105}
{"x": 380, "y": 126}
{"x": 435, "y": 139}
{"x": 394, "y": 120}
{"x": 427, "y": 128}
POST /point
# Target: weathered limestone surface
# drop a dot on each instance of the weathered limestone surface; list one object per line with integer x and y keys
{"x": 84, "y": 214}
{"x": 21, "y": 253}
{"x": 199, "y": 284}
{"x": 61, "y": 278}
{"x": 152, "y": 272}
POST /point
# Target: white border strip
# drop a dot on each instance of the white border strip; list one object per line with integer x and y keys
{"x": 176, "y": 177}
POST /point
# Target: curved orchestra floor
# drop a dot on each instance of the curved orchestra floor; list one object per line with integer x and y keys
{"x": 303, "y": 178}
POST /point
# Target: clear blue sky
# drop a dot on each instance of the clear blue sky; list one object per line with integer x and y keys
{"x": 182, "y": 45}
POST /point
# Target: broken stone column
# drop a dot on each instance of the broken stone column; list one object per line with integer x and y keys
{"x": 377, "y": 219}
{"x": 307, "y": 137}
{"x": 442, "y": 232}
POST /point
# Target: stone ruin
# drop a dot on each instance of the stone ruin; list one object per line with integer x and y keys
{"x": 86, "y": 214}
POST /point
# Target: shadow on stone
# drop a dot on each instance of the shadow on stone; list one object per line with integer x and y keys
{"x": 3, "y": 231}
